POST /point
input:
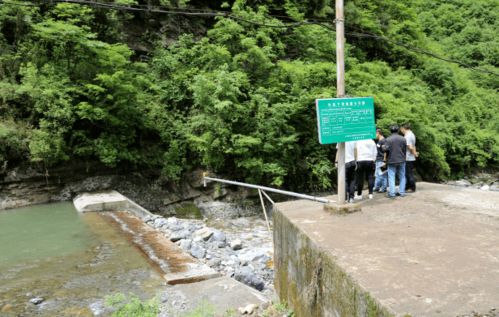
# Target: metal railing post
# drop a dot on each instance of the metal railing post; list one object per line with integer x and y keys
{"x": 264, "y": 210}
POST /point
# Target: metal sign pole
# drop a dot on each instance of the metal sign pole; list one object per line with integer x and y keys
{"x": 340, "y": 92}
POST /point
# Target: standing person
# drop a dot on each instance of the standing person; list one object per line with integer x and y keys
{"x": 380, "y": 181}
{"x": 395, "y": 148}
{"x": 365, "y": 156}
{"x": 410, "y": 158}
{"x": 349, "y": 170}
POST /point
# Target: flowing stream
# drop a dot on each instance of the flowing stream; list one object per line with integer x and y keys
{"x": 71, "y": 261}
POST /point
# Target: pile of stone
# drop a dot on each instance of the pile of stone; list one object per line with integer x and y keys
{"x": 494, "y": 186}
{"x": 243, "y": 250}
{"x": 483, "y": 181}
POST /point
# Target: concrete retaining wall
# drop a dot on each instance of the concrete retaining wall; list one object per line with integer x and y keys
{"x": 108, "y": 201}
{"x": 309, "y": 280}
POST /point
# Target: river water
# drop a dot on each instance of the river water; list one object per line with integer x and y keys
{"x": 71, "y": 260}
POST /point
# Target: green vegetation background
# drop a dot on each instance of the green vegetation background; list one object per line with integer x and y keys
{"x": 172, "y": 92}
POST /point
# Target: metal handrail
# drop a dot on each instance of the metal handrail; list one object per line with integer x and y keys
{"x": 262, "y": 189}
{"x": 269, "y": 189}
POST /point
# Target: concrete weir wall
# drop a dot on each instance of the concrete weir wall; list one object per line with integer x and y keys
{"x": 108, "y": 201}
{"x": 190, "y": 280}
{"x": 309, "y": 280}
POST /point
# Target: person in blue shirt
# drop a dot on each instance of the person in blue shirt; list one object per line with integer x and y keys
{"x": 381, "y": 180}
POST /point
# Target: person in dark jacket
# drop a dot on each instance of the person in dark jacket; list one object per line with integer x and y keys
{"x": 395, "y": 148}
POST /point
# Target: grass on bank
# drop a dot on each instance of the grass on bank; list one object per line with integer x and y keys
{"x": 132, "y": 306}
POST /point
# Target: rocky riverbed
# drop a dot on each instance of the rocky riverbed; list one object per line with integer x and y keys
{"x": 237, "y": 247}
{"x": 240, "y": 248}
{"x": 482, "y": 181}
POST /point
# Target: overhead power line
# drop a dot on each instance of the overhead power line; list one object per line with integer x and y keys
{"x": 230, "y": 15}
{"x": 163, "y": 10}
{"x": 421, "y": 51}
{"x": 411, "y": 48}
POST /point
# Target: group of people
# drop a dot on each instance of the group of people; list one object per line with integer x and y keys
{"x": 380, "y": 162}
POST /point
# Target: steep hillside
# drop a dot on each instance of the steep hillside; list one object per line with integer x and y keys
{"x": 230, "y": 87}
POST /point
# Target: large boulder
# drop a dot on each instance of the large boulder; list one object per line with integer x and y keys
{"x": 246, "y": 275}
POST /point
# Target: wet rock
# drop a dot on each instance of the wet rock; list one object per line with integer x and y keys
{"x": 51, "y": 304}
{"x": 236, "y": 244}
{"x": 246, "y": 275}
{"x": 185, "y": 244}
{"x": 175, "y": 227}
{"x": 217, "y": 244}
{"x": 218, "y": 236}
{"x": 232, "y": 261}
{"x": 494, "y": 187}
{"x": 36, "y": 300}
{"x": 205, "y": 233}
{"x": 179, "y": 235}
{"x": 483, "y": 178}
{"x": 214, "y": 262}
{"x": 248, "y": 309}
{"x": 198, "y": 251}
{"x": 98, "y": 308}
{"x": 159, "y": 222}
{"x": 164, "y": 297}
{"x": 254, "y": 254}
{"x": 462, "y": 183}
{"x": 172, "y": 221}
{"x": 223, "y": 210}
{"x": 197, "y": 239}
{"x": 241, "y": 222}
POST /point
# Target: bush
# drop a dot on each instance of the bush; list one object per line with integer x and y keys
{"x": 13, "y": 143}
{"x": 132, "y": 306}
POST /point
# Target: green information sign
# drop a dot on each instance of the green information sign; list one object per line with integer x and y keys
{"x": 345, "y": 119}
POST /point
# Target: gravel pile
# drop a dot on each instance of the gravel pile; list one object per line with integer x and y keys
{"x": 242, "y": 249}
{"x": 483, "y": 181}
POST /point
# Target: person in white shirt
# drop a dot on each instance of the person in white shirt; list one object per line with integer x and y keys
{"x": 349, "y": 170}
{"x": 410, "y": 158}
{"x": 366, "y": 152}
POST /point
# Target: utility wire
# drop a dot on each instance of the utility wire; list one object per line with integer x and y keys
{"x": 421, "y": 51}
{"x": 20, "y": 4}
{"x": 172, "y": 11}
{"x": 227, "y": 14}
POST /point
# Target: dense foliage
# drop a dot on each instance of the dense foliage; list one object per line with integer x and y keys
{"x": 237, "y": 97}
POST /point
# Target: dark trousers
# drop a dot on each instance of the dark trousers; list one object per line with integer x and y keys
{"x": 409, "y": 175}
{"x": 350, "y": 179}
{"x": 365, "y": 171}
